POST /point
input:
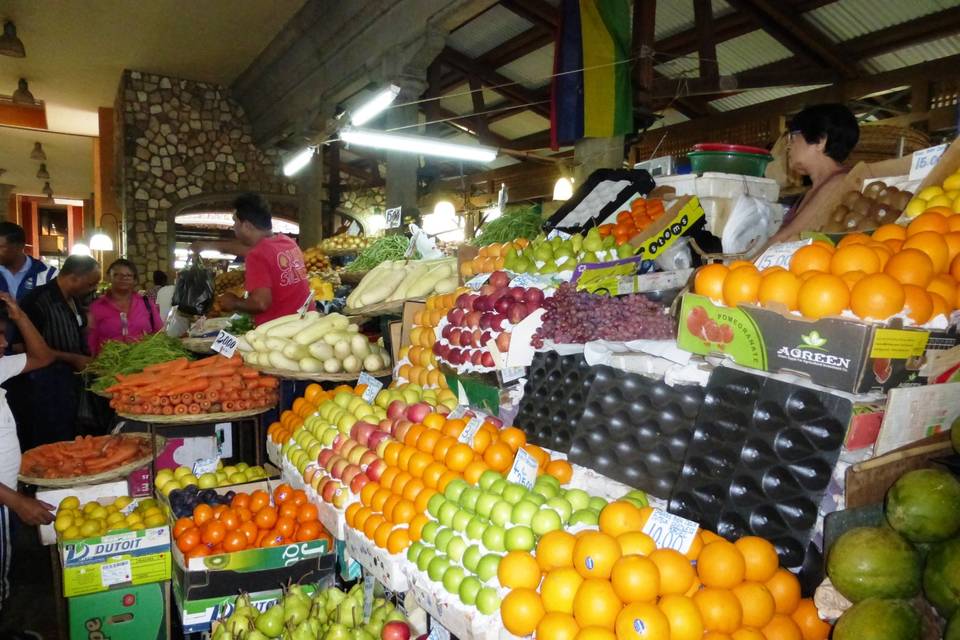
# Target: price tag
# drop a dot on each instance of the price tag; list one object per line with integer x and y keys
{"x": 225, "y": 344}
{"x": 556, "y": 233}
{"x": 393, "y": 217}
{"x": 130, "y": 508}
{"x": 306, "y": 304}
{"x": 670, "y": 531}
{"x": 779, "y": 255}
{"x": 438, "y": 631}
{"x": 458, "y": 412}
{"x": 373, "y": 387}
{"x": 524, "y": 469}
{"x": 478, "y": 281}
{"x": 924, "y": 160}
{"x": 466, "y": 436}
{"x": 509, "y": 374}
{"x": 522, "y": 280}
{"x": 205, "y": 465}
{"x": 112, "y": 573}
{"x": 368, "y": 583}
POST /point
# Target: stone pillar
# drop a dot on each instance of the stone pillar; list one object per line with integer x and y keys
{"x": 402, "y": 167}
{"x": 311, "y": 192}
{"x": 591, "y": 154}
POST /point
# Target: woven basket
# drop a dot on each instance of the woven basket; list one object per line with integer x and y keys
{"x": 193, "y": 418}
{"x": 118, "y": 472}
{"x": 882, "y": 142}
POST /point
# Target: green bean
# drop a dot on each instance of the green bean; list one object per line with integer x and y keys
{"x": 386, "y": 248}
{"x": 510, "y": 226}
{"x": 123, "y": 358}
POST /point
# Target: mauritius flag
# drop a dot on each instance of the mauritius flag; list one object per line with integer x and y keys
{"x": 591, "y": 94}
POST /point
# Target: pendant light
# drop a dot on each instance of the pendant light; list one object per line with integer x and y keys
{"x": 22, "y": 95}
{"x": 563, "y": 189}
{"x": 42, "y": 173}
{"x": 10, "y": 44}
{"x": 37, "y": 153}
{"x": 47, "y": 190}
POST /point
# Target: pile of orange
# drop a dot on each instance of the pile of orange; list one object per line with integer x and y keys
{"x": 490, "y": 258}
{"x": 913, "y": 269}
{"x": 615, "y": 583}
{"x": 251, "y": 521}
{"x": 292, "y": 419}
{"x": 643, "y": 212}
{"x": 418, "y": 363}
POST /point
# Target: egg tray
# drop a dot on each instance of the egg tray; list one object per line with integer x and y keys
{"x": 635, "y": 429}
{"x": 554, "y": 398}
{"x": 759, "y": 462}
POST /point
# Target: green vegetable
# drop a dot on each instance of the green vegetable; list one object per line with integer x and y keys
{"x": 386, "y": 248}
{"x": 240, "y": 324}
{"x": 132, "y": 357}
{"x": 510, "y": 226}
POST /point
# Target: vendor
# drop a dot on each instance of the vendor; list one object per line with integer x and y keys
{"x": 820, "y": 139}
{"x": 276, "y": 276}
{"x": 121, "y": 313}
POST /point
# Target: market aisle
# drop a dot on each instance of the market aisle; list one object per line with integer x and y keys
{"x": 31, "y": 605}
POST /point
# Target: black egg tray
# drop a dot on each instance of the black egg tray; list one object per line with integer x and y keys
{"x": 636, "y": 429}
{"x": 554, "y": 398}
{"x": 760, "y": 459}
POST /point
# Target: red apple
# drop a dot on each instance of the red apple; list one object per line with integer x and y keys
{"x": 328, "y": 490}
{"x": 375, "y": 469}
{"x": 349, "y": 473}
{"x": 496, "y": 321}
{"x": 324, "y": 456}
{"x": 402, "y": 429}
{"x": 339, "y": 467}
{"x": 319, "y": 482}
{"x": 455, "y": 316}
{"x": 417, "y": 412}
{"x": 376, "y": 438}
{"x": 503, "y": 305}
{"x": 396, "y": 409}
{"x": 382, "y": 447}
{"x": 517, "y": 293}
{"x": 476, "y": 357}
{"x": 499, "y": 279}
{"x": 332, "y": 460}
{"x": 517, "y": 313}
{"x": 472, "y": 319}
{"x": 445, "y": 332}
{"x": 309, "y": 472}
{"x": 453, "y": 357}
{"x": 503, "y": 342}
{"x": 455, "y": 337}
{"x": 398, "y": 423}
{"x": 487, "y": 359}
{"x": 395, "y": 630}
{"x": 340, "y": 497}
{"x": 367, "y": 458}
{"x": 356, "y": 454}
{"x": 359, "y": 483}
{"x": 533, "y": 296}
{"x": 465, "y": 301}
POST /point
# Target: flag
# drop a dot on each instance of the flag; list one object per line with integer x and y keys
{"x": 591, "y": 93}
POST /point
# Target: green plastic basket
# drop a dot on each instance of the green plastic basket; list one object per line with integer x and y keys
{"x": 744, "y": 164}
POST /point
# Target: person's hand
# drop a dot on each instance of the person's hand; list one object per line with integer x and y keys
{"x": 33, "y": 512}
{"x": 229, "y": 301}
{"x": 14, "y": 312}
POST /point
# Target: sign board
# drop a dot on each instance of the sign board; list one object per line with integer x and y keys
{"x": 393, "y": 217}
{"x": 225, "y": 344}
{"x": 924, "y": 160}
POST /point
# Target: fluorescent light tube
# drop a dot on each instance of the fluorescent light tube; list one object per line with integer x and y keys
{"x": 298, "y": 161}
{"x": 374, "y": 106}
{"x": 416, "y": 144}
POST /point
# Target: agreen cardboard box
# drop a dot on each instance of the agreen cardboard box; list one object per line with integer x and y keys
{"x": 132, "y": 613}
{"x": 839, "y": 353}
{"x": 118, "y": 559}
{"x": 197, "y": 616}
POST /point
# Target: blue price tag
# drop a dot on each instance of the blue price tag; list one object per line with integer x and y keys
{"x": 470, "y": 431}
{"x": 478, "y": 281}
{"x": 368, "y": 583}
{"x": 524, "y": 469}
{"x": 373, "y": 387}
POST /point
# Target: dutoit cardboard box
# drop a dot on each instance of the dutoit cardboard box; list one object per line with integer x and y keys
{"x": 839, "y": 353}
{"x": 132, "y": 613}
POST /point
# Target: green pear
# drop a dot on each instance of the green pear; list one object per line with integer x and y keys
{"x": 270, "y": 622}
{"x": 593, "y": 242}
{"x": 576, "y": 243}
{"x": 337, "y": 632}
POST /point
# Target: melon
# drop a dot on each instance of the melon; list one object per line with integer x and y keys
{"x": 941, "y": 578}
{"x": 879, "y": 619}
{"x": 874, "y": 562}
{"x": 924, "y": 505}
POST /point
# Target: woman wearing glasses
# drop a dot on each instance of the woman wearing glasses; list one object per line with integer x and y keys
{"x": 121, "y": 313}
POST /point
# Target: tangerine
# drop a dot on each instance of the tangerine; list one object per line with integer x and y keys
{"x": 459, "y": 456}
{"x": 877, "y": 297}
{"x": 642, "y": 620}
{"x": 474, "y": 470}
{"x": 779, "y": 287}
{"x": 513, "y": 438}
{"x": 953, "y": 244}
{"x": 852, "y": 277}
{"x": 635, "y": 579}
{"x": 557, "y": 626}
{"x": 944, "y": 285}
{"x": 620, "y": 517}
{"x": 854, "y": 257}
{"x": 781, "y": 627}
{"x": 785, "y": 589}
{"x": 757, "y": 604}
{"x": 677, "y": 575}
{"x": 398, "y": 540}
{"x": 683, "y": 616}
{"x": 559, "y": 589}
{"x": 416, "y": 526}
{"x": 518, "y": 570}
{"x": 940, "y": 306}
{"x": 918, "y": 305}
{"x": 911, "y": 266}
{"x": 498, "y": 456}
{"x": 759, "y": 556}
{"x": 596, "y": 604}
{"x": 561, "y": 470}
{"x": 721, "y": 565}
{"x": 521, "y": 611}
{"x": 443, "y": 447}
{"x": 709, "y": 281}
{"x": 555, "y": 550}
{"x": 932, "y": 244}
{"x": 808, "y": 621}
{"x": 719, "y": 608}
{"x": 852, "y": 239}
{"x": 746, "y": 633}
{"x": 823, "y": 295}
{"x": 741, "y": 286}
{"x": 928, "y": 221}
{"x": 889, "y": 232}
{"x": 636, "y": 543}
{"x": 595, "y": 553}
{"x": 813, "y": 257}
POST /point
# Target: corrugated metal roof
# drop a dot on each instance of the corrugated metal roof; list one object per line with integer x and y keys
{"x": 459, "y": 100}
{"x": 846, "y": 19}
{"x": 756, "y": 96}
{"x": 670, "y": 116}
{"x": 519, "y": 125}
{"x": 487, "y": 31}
{"x": 532, "y": 70}
{"x": 737, "y": 54}
{"x": 674, "y": 16}
{"x": 914, "y": 55}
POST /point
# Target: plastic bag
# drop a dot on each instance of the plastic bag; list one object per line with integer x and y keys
{"x": 193, "y": 293}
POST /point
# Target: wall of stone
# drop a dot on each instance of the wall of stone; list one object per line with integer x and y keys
{"x": 362, "y": 204}
{"x": 181, "y": 139}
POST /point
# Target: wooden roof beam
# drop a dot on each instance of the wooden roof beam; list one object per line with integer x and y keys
{"x": 667, "y": 88}
{"x": 497, "y": 82}
{"x": 534, "y": 38}
{"x": 929, "y": 27}
{"x": 535, "y": 11}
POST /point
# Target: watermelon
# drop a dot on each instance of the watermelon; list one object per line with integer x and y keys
{"x": 924, "y": 505}
{"x": 874, "y": 562}
{"x": 879, "y": 619}
{"x": 941, "y": 578}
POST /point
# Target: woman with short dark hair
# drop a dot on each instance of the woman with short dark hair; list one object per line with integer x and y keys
{"x": 121, "y": 313}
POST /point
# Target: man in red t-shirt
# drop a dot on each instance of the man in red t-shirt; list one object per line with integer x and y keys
{"x": 276, "y": 280}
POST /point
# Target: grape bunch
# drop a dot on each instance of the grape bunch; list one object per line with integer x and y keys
{"x": 578, "y": 316}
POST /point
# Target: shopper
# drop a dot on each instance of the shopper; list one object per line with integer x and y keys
{"x": 21, "y": 273}
{"x": 276, "y": 277}
{"x": 52, "y": 394}
{"x": 820, "y": 139}
{"x": 121, "y": 313}
{"x": 160, "y": 280}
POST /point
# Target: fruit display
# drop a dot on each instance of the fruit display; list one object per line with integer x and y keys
{"x": 876, "y": 206}
{"x": 480, "y": 318}
{"x": 330, "y": 614}
{"x": 344, "y": 242}
{"x": 182, "y": 388}
{"x": 911, "y": 272}
{"x": 392, "y": 247}
{"x": 315, "y": 260}
{"x": 939, "y": 197}
{"x": 558, "y": 254}
{"x": 627, "y": 224}
{"x": 168, "y": 479}
{"x": 491, "y": 257}
{"x": 226, "y": 282}
{"x": 184, "y": 501}
{"x": 123, "y": 358}
{"x": 418, "y": 362}
{"x": 313, "y": 344}
{"x": 251, "y": 520}
{"x": 74, "y": 521}
{"x": 402, "y": 279}
{"x": 83, "y": 456}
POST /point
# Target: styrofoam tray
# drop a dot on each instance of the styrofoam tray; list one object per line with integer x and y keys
{"x": 273, "y": 453}
{"x": 466, "y": 623}
{"x": 386, "y": 568}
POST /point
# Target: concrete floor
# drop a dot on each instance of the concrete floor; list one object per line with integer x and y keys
{"x": 33, "y": 603}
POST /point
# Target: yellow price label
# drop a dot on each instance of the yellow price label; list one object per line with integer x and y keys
{"x": 898, "y": 344}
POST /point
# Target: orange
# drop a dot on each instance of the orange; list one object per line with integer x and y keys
{"x": 852, "y": 239}
{"x": 521, "y": 611}
{"x": 721, "y": 565}
{"x": 459, "y": 456}
{"x": 388, "y": 476}
{"x": 557, "y": 626}
{"x": 932, "y": 244}
{"x": 446, "y": 479}
{"x": 808, "y": 621}
{"x": 955, "y": 267}
{"x": 559, "y": 589}
{"x": 351, "y": 513}
{"x": 366, "y": 493}
{"x": 953, "y": 222}
{"x": 889, "y": 232}
{"x": 454, "y": 427}
{"x": 781, "y": 627}
{"x": 779, "y": 287}
{"x": 391, "y": 452}
{"x": 719, "y": 608}
{"x": 944, "y": 285}
{"x": 482, "y": 440}
{"x": 513, "y": 438}
{"x": 741, "y": 286}
{"x": 361, "y": 518}
{"x": 595, "y": 553}
{"x": 716, "y": 635}
{"x": 398, "y": 540}
{"x": 390, "y": 504}
{"x": 877, "y": 297}
{"x": 474, "y": 470}
{"x": 560, "y": 469}
{"x": 620, "y": 517}
{"x": 910, "y": 266}
{"x": 423, "y": 498}
{"x": 403, "y": 512}
{"x": 785, "y": 589}
{"x": 636, "y": 543}
{"x": 595, "y": 633}
{"x": 372, "y": 524}
{"x": 883, "y": 252}
{"x": 400, "y": 481}
{"x": 428, "y": 439}
{"x": 683, "y": 616}
{"x": 676, "y": 573}
{"x": 854, "y": 257}
{"x": 852, "y": 277}
{"x": 823, "y": 295}
{"x": 746, "y": 633}
{"x": 813, "y": 257}
{"x": 498, "y": 456}
{"x": 696, "y": 546}
{"x": 893, "y": 245}
{"x": 918, "y": 305}
{"x": 709, "y": 281}
{"x": 416, "y": 526}
{"x": 419, "y": 462}
{"x": 953, "y": 243}
{"x": 412, "y": 435}
{"x": 434, "y": 421}
{"x": 642, "y": 620}
{"x": 413, "y": 489}
{"x": 541, "y": 456}
{"x": 759, "y": 556}
{"x": 518, "y": 569}
{"x": 634, "y": 579}
{"x": 443, "y": 447}
{"x": 555, "y": 550}
{"x": 432, "y": 474}
{"x": 940, "y": 306}
{"x": 596, "y": 604}
{"x": 928, "y": 221}
{"x": 757, "y": 603}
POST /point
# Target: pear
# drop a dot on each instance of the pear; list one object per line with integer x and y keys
{"x": 270, "y": 622}
{"x": 625, "y": 250}
{"x": 522, "y": 265}
{"x": 302, "y": 631}
{"x": 543, "y": 253}
{"x": 361, "y": 634}
{"x": 593, "y": 242}
{"x": 295, "y": 611}
{"x": 254, "y": 635}
{"x": 589, "y": 258}
{"x": 222, "y": 633}
{"x": 350, "y": 612}
{"x": 609, "y": 243}
{"x": 337, "y": 632}
{"x": 374, "y": 628}
{"x": 576, "y": 242}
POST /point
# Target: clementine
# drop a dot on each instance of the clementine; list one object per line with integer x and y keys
{"x": 521, "y": 611}
{"x": 877, "y": 297}
{"x": 910, "y": 266}
{"x": 719, "y": 608}
{"x": 741, "y": 286}
{"x": 709, "y": 281}
{"x": 823, "y": 295}
{"x": 721, "y": 565}
{"x": 779, "y": 287}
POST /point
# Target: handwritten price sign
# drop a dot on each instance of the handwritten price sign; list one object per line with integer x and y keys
{"x": 470, "y": 431}
{"x": 373, "y": 387}
{"x": 524, "y": 469}
{"x": 670, "y": 531}
{"x": 225, "y": 344}
{"x": 924, "y": 160}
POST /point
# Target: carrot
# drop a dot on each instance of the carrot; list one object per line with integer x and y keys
{"x": 180, "y": 409}
{"x": 175, "y": 398}
{"x": 166, "y": 410}
{"x": 269, "y": 382}
{"x": 178, "y": 363}
{"x": 194, "y": 408}
{"x": 228, "y": 405}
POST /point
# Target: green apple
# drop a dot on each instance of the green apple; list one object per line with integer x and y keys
{"x": 535, "y": 498}
{"x": 437, "y": 567}
{"x": 545, "y": 489}
{"x": 597, "y": 504}
{"x": 523, "y": 512}
{"x": 469, "y": 498}
{"x": 328, "y": 437}
{"x": 238, "y": 477}
{"x": 487, "y": 567}
{"x": 493, "y": 538}
{"x": 163, "y": 476}
{"x": 461, "y": 520}
{"x": 455, "y": 488}
{"x": 414, "y": 551}
{"x": 188, "y": 479}
{"x": 207, "y": 481}
{"x": 243, "y": 466}
{"x": 455, "y": 549}
{"x": 471, "y": 557}
{"x": 469, "y": 589}
{"x": 514, "y": 493}
{"x": 497, "y": 487}
{"x": 485, "y": 503}
{"x": 519, "y": 539}
{"x": 583, "y": 516}
{"x": 433, "y": 505}
{"x": 476, "y": 527}
{"x": 452, "y": 579}
{"x": 500, "y": 514}
{"x": 561, "y": 506}
{"x": 487, "y": 601}
{"x": 548, "y": 479}
{"x": 447, "y": 513}
{"x": 425, "y": 558}
{"x": 488, "y": 477}
{"x": 545, "y": 521}
{"x": 578, "y": 499}
{"x": 444, "y": 536}
{"x": 429, "y": 532}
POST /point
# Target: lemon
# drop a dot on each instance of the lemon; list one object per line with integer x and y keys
{"x": 90, "y": 506}
{"x": 939, "y": 201}
{"x": 90, "y": 528}
{"x": 111, "y": 508}
{"x": 152, "y": 511}
{"x": 169, "y": 486}
{"x": 952, "y": 182}
{"x": 133, "y": 518}
{"x": 155, "y": 520}
{"x": 122, "y": 502}
{"x": 62, "y": 523}
{"x": 71, "y": 533}
{"x": 115, "y": 518}
{"x": 186, "y": 471}
{"x": 100, "y": 513}
{"x": 930, "y": 192}
{"x": 147, "y": 503}
{"x": 163, "y": 476}
{"x": 915, "y": 207}
{"x": 70, "y": 502}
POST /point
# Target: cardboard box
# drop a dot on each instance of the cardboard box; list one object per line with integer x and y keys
{"x": 84, "y": 493}
{"x": 838, "y": 353}
{"x": 197, "y": 616}
{"x": 133, "y": 613}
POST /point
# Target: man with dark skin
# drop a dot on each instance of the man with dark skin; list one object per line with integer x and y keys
{"x": 20, "y": 273}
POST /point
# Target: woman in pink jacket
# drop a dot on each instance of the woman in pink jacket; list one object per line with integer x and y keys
{"x": 121, "y": 313}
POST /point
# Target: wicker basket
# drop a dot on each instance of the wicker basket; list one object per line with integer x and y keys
{"x": 883, "y": 142}
{"x": 118, "y": 472}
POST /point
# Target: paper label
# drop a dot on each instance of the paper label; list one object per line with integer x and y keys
{"x": 925, "y": 160}
{"x": 225, "y": 344}
{"x": 509, "y": 374}
{"x": 130, "y": 508}
{"x": 393, "y": 217}
{"x": 779, "y": 255}
{"x": 522, "y": 280}
{"x": 670, "y": 531}
{"x": 898, "y": 344}
{"x": 368, "y": 583}
{"x": 438, "y": 631}
{"x": 556, "y": 233}
{"x": 306, "y": 304}
{"x": 112, "y": 573}
{"x": 478, "y": 281}
{"x": 470, "y": 431}
{"x": 524, "y": 469}
{"x": 458, "y": 412}
{"x": 373, "y": 387}
{"x": 205, "y": 465}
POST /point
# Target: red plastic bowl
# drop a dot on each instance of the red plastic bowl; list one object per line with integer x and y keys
{"x": 730, "y": 148}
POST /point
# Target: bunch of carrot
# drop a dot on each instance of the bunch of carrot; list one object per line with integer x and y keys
{"x": 83, "y": 456}
{"x": 180, "y": 387}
